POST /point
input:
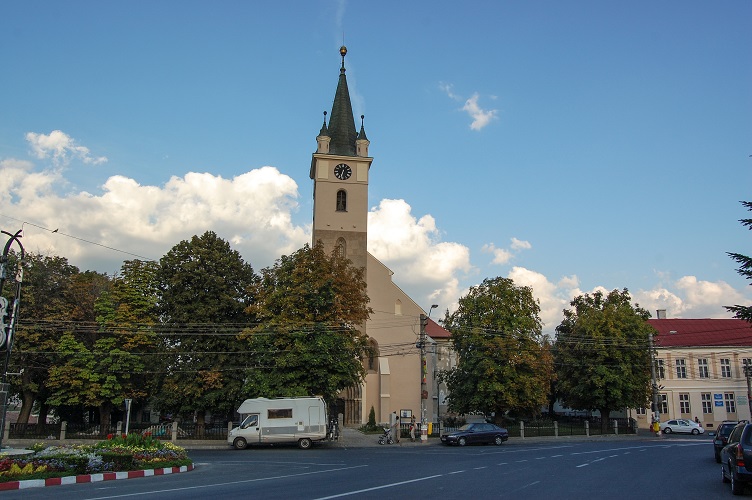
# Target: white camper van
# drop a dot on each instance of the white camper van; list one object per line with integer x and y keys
{"x": 280, "y": 420}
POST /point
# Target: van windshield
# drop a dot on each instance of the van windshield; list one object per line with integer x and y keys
{"x": 250, "y": 421}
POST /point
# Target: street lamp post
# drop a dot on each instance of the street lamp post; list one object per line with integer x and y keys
{"x": 424, "y": 374}
{"x": 8, "y": 330}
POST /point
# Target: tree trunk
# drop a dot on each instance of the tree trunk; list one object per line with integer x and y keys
{"x": 605, "y": 414}
{"x": 27, "y": 403}
{"x": 105, "y": 411}
{"x": 44, "y": 410}
{"x": 200, "y": 423}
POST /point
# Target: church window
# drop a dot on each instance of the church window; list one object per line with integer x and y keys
{"x": 398, "y": 308}
{"x": 373, "y": 354}
{"x": 341, "y": 248}
{"x": 341, "y": 200}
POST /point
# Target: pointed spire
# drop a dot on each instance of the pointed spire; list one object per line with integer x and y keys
{"x": 324, "y": 130}
{"x": 341, "y": 123}
{"x": 362, "y": 134}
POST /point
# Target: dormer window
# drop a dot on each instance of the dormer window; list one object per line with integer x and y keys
{"x": 341, "y": 200}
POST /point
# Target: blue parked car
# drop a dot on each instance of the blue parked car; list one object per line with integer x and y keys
{"x": 736, "y": 458}
{"x": 476, "y": 433}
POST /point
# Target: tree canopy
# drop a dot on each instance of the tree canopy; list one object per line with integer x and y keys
{"x": 310, "y": 309}
{"x": 203, "y": 290}
{"x": 745, "y": 269}
{"x": 602, "y": 354}
{"x": 503, "y": 364}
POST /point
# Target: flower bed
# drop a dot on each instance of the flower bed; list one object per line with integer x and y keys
{"x": 120, "y": 454}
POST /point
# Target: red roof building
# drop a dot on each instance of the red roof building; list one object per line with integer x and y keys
{"x": 700, "y": 368}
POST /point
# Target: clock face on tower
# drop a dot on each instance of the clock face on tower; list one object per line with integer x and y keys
{"x": 342, "y": 171}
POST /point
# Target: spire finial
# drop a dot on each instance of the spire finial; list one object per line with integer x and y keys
{"x": 343, "y": 53}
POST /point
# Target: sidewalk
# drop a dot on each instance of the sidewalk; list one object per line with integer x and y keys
{"x": 350, "y": 438}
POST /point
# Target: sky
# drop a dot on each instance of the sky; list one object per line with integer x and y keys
{"x": 570, "y": 146}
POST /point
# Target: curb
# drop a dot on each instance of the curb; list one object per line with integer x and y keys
{"x": 92, "y": 478}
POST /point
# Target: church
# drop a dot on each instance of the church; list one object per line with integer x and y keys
{"x": 398, "y": 378}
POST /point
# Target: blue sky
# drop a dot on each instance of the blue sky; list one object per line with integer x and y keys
{"x": 571, "y": 146}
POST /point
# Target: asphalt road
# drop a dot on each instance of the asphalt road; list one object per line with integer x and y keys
{"x": 667, "y": 468}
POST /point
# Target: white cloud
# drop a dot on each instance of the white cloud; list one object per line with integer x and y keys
{"x": 252, "y": 210}
{"x": 691, "y": 298}
{"x": 520, "y": 244}
{"x": 480, "y": 116}
{"x": 411, "y": 248}
{"x": 448, "y": 89}
{"x": 61, "y": 148}
{"x": 503, "y": 256}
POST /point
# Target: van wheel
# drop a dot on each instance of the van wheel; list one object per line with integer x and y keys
{"x": 240, "y": 444}
{"x": 304, "y": 444}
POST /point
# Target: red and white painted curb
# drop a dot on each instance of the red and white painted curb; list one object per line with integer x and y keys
{"x": 92, "y": 478}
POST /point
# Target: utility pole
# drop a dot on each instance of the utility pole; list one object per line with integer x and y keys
{"x": 748, "y": 374}
{"x": 654, "y": 380}
{"x": 423, "y": 381}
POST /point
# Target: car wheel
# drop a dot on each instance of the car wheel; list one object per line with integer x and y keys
{"x": 737, "y": 488}
{"x": 498, "y": 440}
{"x": 695, "y": 432}
{"x": 717, "y": 457}
{"x": 667, "y": 430}
{"x": 240, "y": 444}
{"x": 723, "y": 475}
{"x": 304, "y": 444}
{"x": 462, "y": 441}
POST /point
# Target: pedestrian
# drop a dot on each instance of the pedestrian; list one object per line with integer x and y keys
{"x": 399, "y": 431}
{"x": 412, "y": 429}
{"x": 394, "y": 428}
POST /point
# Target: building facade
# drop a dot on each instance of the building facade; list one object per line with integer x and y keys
{"x": 700, "y": 370}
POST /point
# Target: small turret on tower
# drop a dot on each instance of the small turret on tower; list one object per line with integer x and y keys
{"x": 362, "y": 143}
{"x": 323, "y": 139}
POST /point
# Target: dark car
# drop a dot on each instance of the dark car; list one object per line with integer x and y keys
{"x": 736, "y": 458}
{"x": 721, "y": 438}
{"x": 476, "y": 433}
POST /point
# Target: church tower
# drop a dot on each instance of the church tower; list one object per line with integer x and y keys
{"x": 339, "y": 169}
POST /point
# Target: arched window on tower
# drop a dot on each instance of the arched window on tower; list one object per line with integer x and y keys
{"x": 341, "y": 247}
{"x": 341, "y": 200}
{"x": 398, "y": 308}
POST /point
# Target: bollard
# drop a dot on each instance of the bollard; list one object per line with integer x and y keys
{"x": 63, "y": 429}
{"x": 616, "y": 427}
{"x": 174, "y": 437}
{"x": 522, "y": 429}
{"x": 556, "y": 428}
{"x": 587, "y": 428}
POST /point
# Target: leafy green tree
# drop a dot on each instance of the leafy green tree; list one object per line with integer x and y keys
{"x": 45, "y": 309}
{"x": 127, "y": 312}
{"x": 204, "y": 289}
{"x": 89, "y": 365}
{"x": 503, "y": 364}
{"x": 310, "y": 308}
{"x": 745, "y": 269}
{"x": 602, "y": 354}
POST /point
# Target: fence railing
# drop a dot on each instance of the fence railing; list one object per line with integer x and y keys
{"x": 68, "y": 430}
{"x": 564, "y": 427}
{"x": 174, "y": 431}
